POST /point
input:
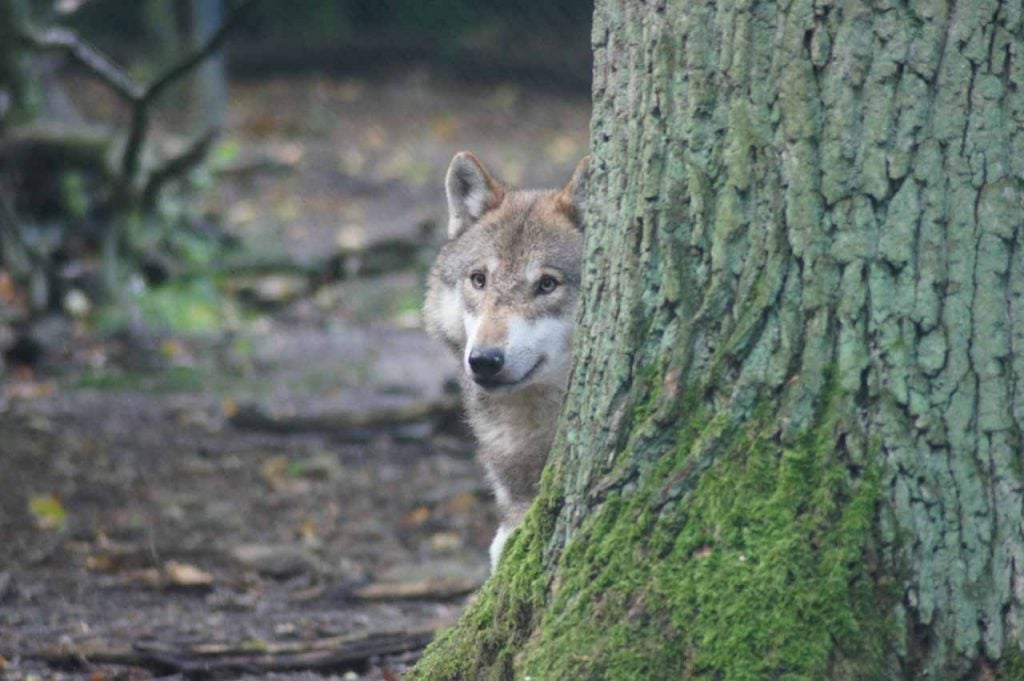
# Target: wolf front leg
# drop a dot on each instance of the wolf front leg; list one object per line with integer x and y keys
{"x": 498, "y": 543}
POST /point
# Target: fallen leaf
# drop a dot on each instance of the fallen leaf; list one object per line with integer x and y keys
{"x": 284, "y": 476}
{"x": 461, "y": 503}
{"x": 48, "y": 512}
{"x": 145, "y": 576}
{"x": 101, "y": 563}
{"x": 273, "y": 471}
{"x": 183, "y": 574}
{"x": 24, "y": 388}
{"x": 445, "y": 541}
{"x": 172, "y": 349}
{"x": 307, "y": 531}
{"x": 417, "y": 516}
{"x": 229, "y": 406}
{"x": 255, "y": 645}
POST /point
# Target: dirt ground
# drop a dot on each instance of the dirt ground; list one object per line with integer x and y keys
{"x": 290, "y": 493}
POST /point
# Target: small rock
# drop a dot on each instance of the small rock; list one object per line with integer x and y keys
{"x": 275, "y": 560}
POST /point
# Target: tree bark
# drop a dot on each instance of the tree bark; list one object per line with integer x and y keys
{"x": 792, "y": 442}
{"x": 19, "y": 93}
{"x": 210, "y": 86}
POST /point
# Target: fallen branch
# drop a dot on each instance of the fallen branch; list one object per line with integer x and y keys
{"x": 208, "y": 658}
{"x": 253, "y": 657}
{"x": 87, "y": 653}
{"x": 78, "y": 147}
{"x": 251, "y": 416}
{"x": 433, "y": 589}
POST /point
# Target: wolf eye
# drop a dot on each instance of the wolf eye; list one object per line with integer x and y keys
{"x": 478, "y": 279}
{"x": 547, "y": 284}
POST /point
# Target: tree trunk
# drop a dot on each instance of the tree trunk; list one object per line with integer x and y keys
{"x": 792, "y": 442}
{"x": 19, "y": 95}
{"x": 210, "y": 88}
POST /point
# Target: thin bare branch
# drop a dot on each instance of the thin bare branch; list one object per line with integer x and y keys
{"x": 140, "y": 98}
{"x": 211, "y": 45}
{"x": 177, "y": 166}
{"x": 94, "y": 61}
{"x": 140, "y": 115}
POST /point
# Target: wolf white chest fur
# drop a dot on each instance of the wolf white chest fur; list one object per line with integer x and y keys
{"x": 502, "y": 294}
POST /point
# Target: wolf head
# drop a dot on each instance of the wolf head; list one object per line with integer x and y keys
{"x": 503, "y": 290}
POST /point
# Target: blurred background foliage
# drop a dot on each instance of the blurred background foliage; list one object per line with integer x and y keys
{"x": 304, "y": 151}
{"x": 211, "y": 277}
{"x": 546, "y": 43}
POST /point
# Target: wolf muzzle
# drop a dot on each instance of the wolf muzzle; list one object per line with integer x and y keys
{"x": 486, "y": 363}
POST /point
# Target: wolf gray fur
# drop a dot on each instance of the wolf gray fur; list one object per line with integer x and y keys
{"x": 502, "y": 294}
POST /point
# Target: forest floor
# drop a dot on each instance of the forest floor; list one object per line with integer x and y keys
{"x": 279, "y": 485}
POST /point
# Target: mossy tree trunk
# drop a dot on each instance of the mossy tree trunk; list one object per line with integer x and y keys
{"x": 792, "y": 442}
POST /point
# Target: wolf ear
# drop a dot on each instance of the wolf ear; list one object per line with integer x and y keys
{"x": 472, "y": 191}
{"x": 572, "y": 198}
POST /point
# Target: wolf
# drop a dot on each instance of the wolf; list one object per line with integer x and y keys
{"x": 502, "y": 295}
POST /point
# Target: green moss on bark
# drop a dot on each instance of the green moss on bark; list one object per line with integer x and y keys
{"x": 484, "y": 643}
{"x": 1011, "y": 665}
{"x": 758, "y": 570}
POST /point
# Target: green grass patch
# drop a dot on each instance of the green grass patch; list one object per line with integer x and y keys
{"x": 170, "y": 380}
{"x": 191, "y": 305}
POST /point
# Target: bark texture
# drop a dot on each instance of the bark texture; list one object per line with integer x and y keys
{"x": 792, "y": 443}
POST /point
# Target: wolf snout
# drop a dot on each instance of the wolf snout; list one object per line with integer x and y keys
{"x": 486, "y": 362}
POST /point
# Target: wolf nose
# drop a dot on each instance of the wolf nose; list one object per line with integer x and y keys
{"x": 486, "y": 362}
